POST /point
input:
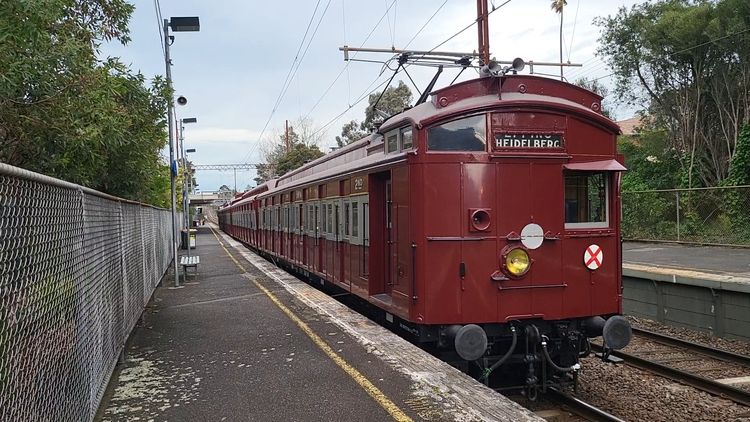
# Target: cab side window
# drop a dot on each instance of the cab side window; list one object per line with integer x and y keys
{"x": 586, "y": 200}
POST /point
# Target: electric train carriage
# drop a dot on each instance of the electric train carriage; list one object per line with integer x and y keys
{"x": 484, "y": 222}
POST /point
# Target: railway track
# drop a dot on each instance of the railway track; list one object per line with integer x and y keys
{"x": 697, "y": 347}
{"x": 581, "y": 408}
{"x": 667, "y": 366}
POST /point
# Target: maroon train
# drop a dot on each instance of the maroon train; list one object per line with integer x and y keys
{"x": 485, "y": 222}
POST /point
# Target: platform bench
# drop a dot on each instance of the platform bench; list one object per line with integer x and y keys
{"x": 190, "y": 261}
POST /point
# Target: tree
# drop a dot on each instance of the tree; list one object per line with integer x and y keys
{"x": 303, "y": 147}
{"x": 350, "y": 132}
{"x": 68, "y": 114}
{"x": 558, "y": 6}
{"x": 394, "y": 101}
{"x": 688, "y": 64}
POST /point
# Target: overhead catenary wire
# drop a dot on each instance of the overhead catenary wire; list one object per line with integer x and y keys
{"x": 425, "y": 24}
{"x": 366, "y": 94}
{"x": 346, "y": 65}
{"x": 406, "y": 65}
{"x": 353, "y": 58}
{"x": 467, "y": 27}
{"x": 388, "y": 20}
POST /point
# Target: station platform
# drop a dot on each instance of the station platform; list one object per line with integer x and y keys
{"x": 704, "y": 259}
{"x": 245, "y": 341}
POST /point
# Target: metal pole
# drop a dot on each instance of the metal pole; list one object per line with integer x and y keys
{"x": 235, "y": 181}
{"x": 186, "y": 219}
{"x": 172, "y": 165}
{"x": 677, "y": 211}
{"x": 562, "y": 6}
{"x": 185, "y": 181}
{"x": 483, "y": 31}
{"x": 286, "y": 138}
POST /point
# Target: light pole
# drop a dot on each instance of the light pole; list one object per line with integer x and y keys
{"x": 178, "y": 24}
{"x": 185, "y": 172}
{"x": 186, "y": 195}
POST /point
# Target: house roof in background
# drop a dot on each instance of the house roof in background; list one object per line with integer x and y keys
{"x": 630, "y": 126}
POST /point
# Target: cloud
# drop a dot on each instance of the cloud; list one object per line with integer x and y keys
{"x": 211, "y": 135}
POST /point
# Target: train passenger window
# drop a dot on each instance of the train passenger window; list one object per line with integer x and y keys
{"x": 406, "y": 139}
{"x": 366, "y": 224}
{"x": 355, "y": 219}
{"x": 310, "y": 218}
{"x": 586, "y": 196}
{"x": 300, "y": 211}
{"x": 468, "y": 134}
{"x": 347, "y": 219}
{"x": 323, "y": 227}
{"x": 330, "y": 218}
{"x": 337, "y": 219}
{"x": 391, "y": 144}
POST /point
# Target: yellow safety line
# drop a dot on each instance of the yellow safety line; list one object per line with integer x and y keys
{"x": 357, "y": 376}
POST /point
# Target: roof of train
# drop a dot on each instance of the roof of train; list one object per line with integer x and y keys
{"x": 475, "y": 94}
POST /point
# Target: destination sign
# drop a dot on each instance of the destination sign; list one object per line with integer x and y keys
{"x": 528, "y": 140}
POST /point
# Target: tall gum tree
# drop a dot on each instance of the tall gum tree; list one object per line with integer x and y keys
{"x": 688, "y": 64}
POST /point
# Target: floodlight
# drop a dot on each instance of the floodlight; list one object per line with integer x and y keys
{"x": 184, "y": 23}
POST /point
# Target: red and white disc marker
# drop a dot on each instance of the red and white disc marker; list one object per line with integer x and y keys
{"x": 593, "y": 257}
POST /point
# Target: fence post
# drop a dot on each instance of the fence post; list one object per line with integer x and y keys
{"x": 677, "y": 210}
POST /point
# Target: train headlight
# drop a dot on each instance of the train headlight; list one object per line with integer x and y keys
{"x": 516, "y": 261}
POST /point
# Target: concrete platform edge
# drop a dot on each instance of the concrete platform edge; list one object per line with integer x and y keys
{"x": 688, "y": 277}
{"x": 462, "y": 397}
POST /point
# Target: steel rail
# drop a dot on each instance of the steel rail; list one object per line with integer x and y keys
{"x": 704, "y": 384}
{"x": 581, "y": 408}
{"x": 713, "y": 352}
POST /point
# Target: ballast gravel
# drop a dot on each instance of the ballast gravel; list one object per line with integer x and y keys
{"x": 735, "y": 346}
{"x": 635, "y": 395}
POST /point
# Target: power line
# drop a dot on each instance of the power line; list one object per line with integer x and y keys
{"x": 304, "y": 53}
{"x": 288, "y": 75}
{"x": 159, "y": 24}
{"x": 711, "y": 41}
{"x": 602, "y": 65}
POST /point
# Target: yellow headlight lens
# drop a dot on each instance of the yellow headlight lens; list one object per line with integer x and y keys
{"x": 517, "y": 262}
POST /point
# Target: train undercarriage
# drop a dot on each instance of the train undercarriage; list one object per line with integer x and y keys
{"x": 527, "y": 356}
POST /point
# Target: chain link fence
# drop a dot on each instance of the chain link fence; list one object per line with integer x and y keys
{"x": 77, "y": 268}
{"x": 719, "y": 216}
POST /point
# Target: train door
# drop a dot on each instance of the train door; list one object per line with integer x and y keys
{"x": 391, "y": 251}
{"x": 330, "y": 236}
{"x": 316, "y": 254}
{"x": 301, "y": 251}
{"x": 290, "y": 227}
{"x": 536, "y": 190}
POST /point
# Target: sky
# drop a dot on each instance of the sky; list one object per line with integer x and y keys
{"x": 233, "y": 71}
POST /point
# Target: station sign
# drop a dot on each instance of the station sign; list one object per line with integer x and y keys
{"x": 528, "y": 141}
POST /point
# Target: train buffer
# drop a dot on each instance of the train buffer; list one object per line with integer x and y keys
{"x": 190, "y": 261}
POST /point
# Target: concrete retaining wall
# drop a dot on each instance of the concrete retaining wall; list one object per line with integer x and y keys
{"x": 712, "y": 303}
